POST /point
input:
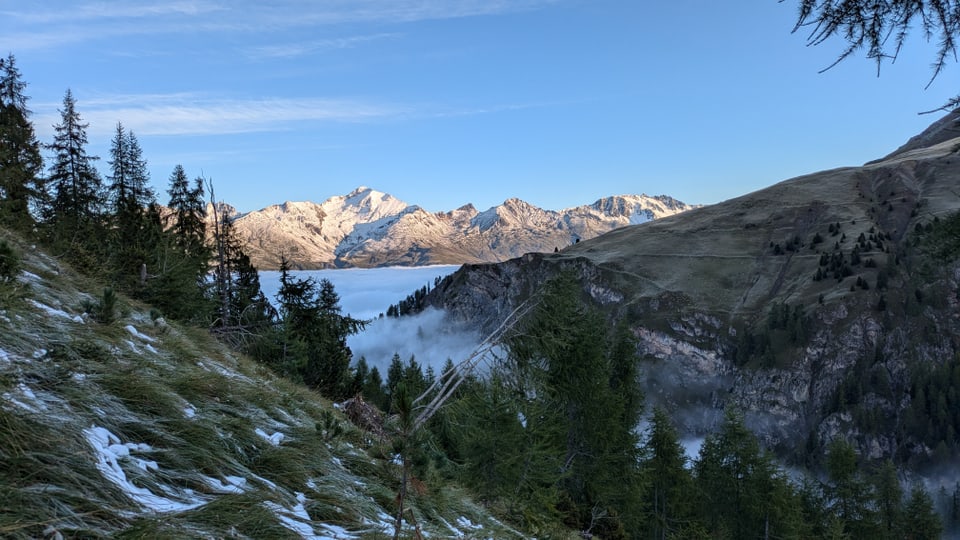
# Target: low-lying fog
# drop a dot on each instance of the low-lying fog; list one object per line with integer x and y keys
{"x": 366, "y": 293}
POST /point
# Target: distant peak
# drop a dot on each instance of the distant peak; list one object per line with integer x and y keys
{"x": 360, "y": 190}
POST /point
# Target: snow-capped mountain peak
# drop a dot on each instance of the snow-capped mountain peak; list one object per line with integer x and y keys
{"x": 367, "y": 227}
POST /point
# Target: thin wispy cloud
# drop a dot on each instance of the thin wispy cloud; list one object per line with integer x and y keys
{"x": 51, "y": 13}
{"x": 187, "y": 114}
{"x": 290, "y": 50}
{"x": 51, "y": 24}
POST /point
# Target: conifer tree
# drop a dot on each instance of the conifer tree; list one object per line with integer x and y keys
{"x": 888, "y": 499}
{"x": 741, "y": 494}
{"x": 668, "y": 487}
{"x": 133, "y": 237}
{"x": 129, "y": 191}
{"x": 77, "y": 188}
{"x": 173, "y": 277}
{"x": 566, "y": 345}
{"x": 21, "y": 163}
{"x": 851, "y": 497}
{"x": 189, "y": 212}
{"x": 921, "y": 521}
{"x": 314, "y": 332}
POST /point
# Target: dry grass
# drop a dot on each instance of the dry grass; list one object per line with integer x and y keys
{"x": 199, "y": 408}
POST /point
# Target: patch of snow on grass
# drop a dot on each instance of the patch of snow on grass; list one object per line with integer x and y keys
{"x": 229, "y": 485}
{"x": 26, "y": 399}
{"x": 189, "y": 411}
{"x": 265, "y": 482}
{"x": 28, "y": 276}
{"x": 467, "y": 524}
{"x": 150, "y": 348}
{"x": 297, "y": 520}
{"x": 274, "y": 439}
{"x": 39, "y": 353}
{"x": 51, "y": 311}
{"x": 338, "y": 533}
{"x": 4, "y": 356}
{"x": 136, "y": 333}
{"x": 109, "y": 452}
{"x": 132, "y": 346}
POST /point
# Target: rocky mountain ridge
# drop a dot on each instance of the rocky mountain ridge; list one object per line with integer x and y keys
{"x": 817, "y": 305}
{"x": 368, "y": 228}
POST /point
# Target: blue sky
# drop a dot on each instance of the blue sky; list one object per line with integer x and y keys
{"x": 445, "y": 102}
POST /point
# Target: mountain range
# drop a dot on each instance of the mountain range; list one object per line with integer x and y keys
{"x": 823, "y": 306}
{"x": 368, "y": 228}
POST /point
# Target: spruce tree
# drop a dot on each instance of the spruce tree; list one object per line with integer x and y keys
{"x": 129, "y": 193}
{"x": 243, "y": 309}
{"x": 77, "y": 188}
{"x": 75, "y": 214}
{"x": 21, "y": 163}
{"x": 132, "y": 235}
{"x": 314, "y": 333}
{"x": 189, "y": 212}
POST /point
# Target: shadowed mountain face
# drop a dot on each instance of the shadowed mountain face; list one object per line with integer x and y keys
{"x": 704, "y": 292}
{"x": 367, "y": 228}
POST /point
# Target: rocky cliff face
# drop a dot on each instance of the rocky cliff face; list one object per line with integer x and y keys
{"x": 840, "y": 253}
{"x": 367, "y": 228}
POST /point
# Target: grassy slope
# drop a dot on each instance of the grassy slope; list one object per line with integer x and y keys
{"x": 187, "y": 411}
{"x": 719, "y": 257}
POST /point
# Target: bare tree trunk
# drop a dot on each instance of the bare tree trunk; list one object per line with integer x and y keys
{"x": 222, "y": 274}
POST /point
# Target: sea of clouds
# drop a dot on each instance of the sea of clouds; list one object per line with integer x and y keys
{"x": 366, "y": 293}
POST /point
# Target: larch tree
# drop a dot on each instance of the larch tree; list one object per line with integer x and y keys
{"x": 881, "y": 28}
{"x": 584, "y": 372}
{"x": 668, "y": 489}
{"x": 21, "y": 162}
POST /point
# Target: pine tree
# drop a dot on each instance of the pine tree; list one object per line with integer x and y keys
{"x": 77, "y": 198}
{"x": 507, "y": 444}
{"x": 21, "y": 163}
{"x": 74, "y": 217}
{"x": 243, "y": 309}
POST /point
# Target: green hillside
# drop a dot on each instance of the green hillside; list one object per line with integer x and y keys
{"x": 141, "y": 428}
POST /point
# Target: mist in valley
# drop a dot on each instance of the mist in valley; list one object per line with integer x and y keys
{"x": 366, "y": 293}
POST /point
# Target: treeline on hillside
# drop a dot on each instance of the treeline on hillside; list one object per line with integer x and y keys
{"x": 550, "y": 435}
{"x": 111, "y": 226}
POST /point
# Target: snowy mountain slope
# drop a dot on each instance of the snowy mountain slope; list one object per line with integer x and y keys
{"x": 367, "y": 228}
